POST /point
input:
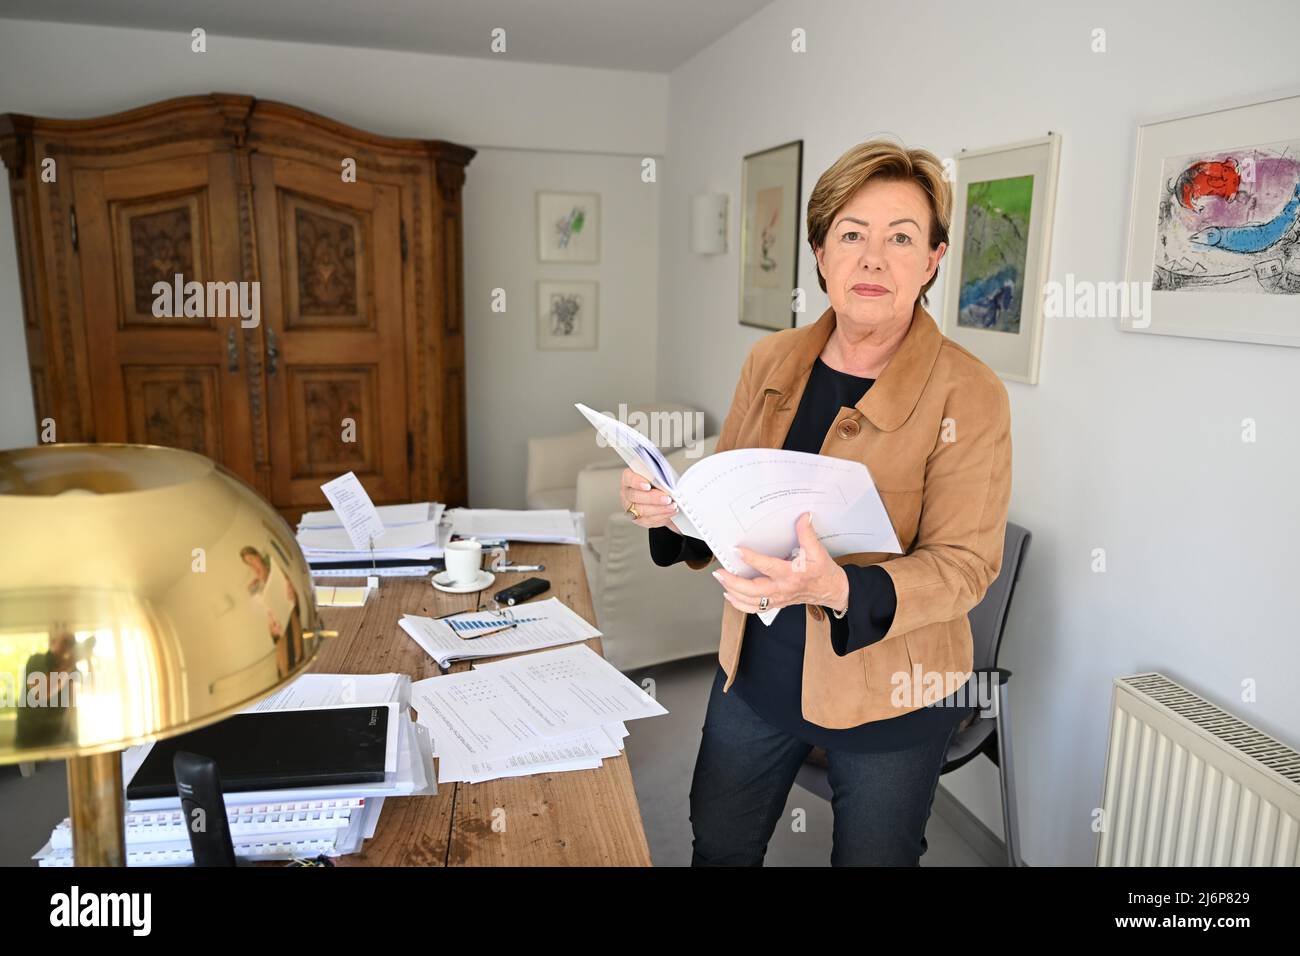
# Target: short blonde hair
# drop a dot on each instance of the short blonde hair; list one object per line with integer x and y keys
{"x": 880, "y": 159}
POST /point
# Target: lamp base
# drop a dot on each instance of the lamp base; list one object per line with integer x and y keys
{"x": 97, "y": 811}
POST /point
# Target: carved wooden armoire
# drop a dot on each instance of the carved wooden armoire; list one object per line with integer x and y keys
{"x": 356, "y": 361}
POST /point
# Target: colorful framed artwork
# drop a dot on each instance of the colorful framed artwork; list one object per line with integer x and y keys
{"x": 999, "y": 253}
{"x": 568, "y": 227}
{"x": 566, "y": 314}
{"x": 769, "y": 235}
{"x": 1215, "y": 224}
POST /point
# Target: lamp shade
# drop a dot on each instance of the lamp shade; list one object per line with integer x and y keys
{"x": 144, "y": 592}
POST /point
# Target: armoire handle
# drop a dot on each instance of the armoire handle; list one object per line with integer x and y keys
{"x": 232, "y": 350}
{"x": 272, "y": 352}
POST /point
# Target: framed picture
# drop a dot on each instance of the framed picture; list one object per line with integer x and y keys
{"x": 566, "y": 314}
{"x": 999, "y": 253}
{"x": 568, "y": 227}
{"x": 769, "y": 235}
{"x": 1214, "y": 224}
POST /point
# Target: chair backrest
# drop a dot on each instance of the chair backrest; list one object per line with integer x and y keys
{"x": 989, "y": 617}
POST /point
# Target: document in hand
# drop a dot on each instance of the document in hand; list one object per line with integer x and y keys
{"x": 754, "y": 496}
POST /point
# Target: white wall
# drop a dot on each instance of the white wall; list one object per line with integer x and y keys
{"x": 517, "y": 390}
{"x": 578, "y": 128}
{"x": 1129, "y": 442}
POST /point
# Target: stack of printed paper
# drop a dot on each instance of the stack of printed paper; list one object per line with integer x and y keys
{"x": 409, "y": 543}
{"x": 499, "y": 524}
{"x": 555, "y": 710}
{"x": 536, "y": 625}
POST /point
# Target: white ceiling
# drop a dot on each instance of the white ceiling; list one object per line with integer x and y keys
{"x": 650, "y": 35}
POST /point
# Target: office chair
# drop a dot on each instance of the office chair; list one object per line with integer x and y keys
{"x": 987, "y": 735}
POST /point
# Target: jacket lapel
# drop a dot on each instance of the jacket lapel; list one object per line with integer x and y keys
{"x": 887, "y": 404}
{"x": 785, "y": 385}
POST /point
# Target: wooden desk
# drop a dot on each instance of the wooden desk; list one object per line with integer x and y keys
{"x": 576, "y": 818}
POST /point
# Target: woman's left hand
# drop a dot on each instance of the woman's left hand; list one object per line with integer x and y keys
{"x": 811, "y": 577}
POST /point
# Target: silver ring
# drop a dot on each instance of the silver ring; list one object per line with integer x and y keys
{"x": 762, "y": 604}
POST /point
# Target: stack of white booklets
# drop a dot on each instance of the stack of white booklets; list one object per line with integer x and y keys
{"x": 413, "y": 535}
{"x": 552, "y": 711}
{"x": 283, "y": 824}
{"x": 754, "y": 496}
{"x": 549, "y": 525}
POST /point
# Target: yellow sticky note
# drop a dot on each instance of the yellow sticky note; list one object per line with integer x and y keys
{"x": 341, "y": 597}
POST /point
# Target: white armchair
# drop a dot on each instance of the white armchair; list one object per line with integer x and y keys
{"x": 648, "y": 614}
{"x": 554, "y": 461}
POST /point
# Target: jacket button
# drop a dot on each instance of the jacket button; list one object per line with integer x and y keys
{"x": 816, "y": 612}
{"x": 847, "y": 429}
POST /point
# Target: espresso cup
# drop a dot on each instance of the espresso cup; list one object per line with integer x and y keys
{"x": 464, "y": 560}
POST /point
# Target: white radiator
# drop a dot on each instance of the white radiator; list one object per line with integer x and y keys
{"x": 1189, "y": 784}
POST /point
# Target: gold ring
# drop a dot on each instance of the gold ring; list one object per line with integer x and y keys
{"x": 631, "y": 509}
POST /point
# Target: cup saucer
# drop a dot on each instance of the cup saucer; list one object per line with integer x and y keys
{"x": 442, "y": 581}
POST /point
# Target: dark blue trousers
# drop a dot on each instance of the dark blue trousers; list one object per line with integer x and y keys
{"x": 745, "y": 770}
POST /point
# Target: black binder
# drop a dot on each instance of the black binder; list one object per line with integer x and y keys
{"x": 277, "y": 750}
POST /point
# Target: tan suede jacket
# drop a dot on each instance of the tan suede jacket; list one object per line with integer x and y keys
{"x": 935, "y": 432}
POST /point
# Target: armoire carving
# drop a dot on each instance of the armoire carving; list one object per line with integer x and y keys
{"x": 356, "y": 360}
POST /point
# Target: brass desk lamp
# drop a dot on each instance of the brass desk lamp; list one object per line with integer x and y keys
{"x": 144, "y": 592}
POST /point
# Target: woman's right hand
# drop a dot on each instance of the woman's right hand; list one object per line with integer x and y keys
{"x": 654, "y": 506}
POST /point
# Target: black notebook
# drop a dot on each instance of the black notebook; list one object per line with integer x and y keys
{"x": 275, "y": 750}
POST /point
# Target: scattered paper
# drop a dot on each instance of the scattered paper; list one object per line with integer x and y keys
{"x": 519, "y": 705}
{"x": 323, "y": 690}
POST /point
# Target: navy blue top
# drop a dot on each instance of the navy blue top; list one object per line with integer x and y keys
{"x": 770, "y": 673}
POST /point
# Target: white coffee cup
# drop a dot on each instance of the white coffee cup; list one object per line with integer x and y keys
{"x": 464, "y": 560}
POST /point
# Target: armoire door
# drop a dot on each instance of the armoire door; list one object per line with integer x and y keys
{"x": 332, "y": 315}
{"x": 173, "y": 380}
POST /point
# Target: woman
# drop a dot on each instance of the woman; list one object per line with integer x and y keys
{"x": 871, "y": 654}
{"x": 288, "y": 647}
